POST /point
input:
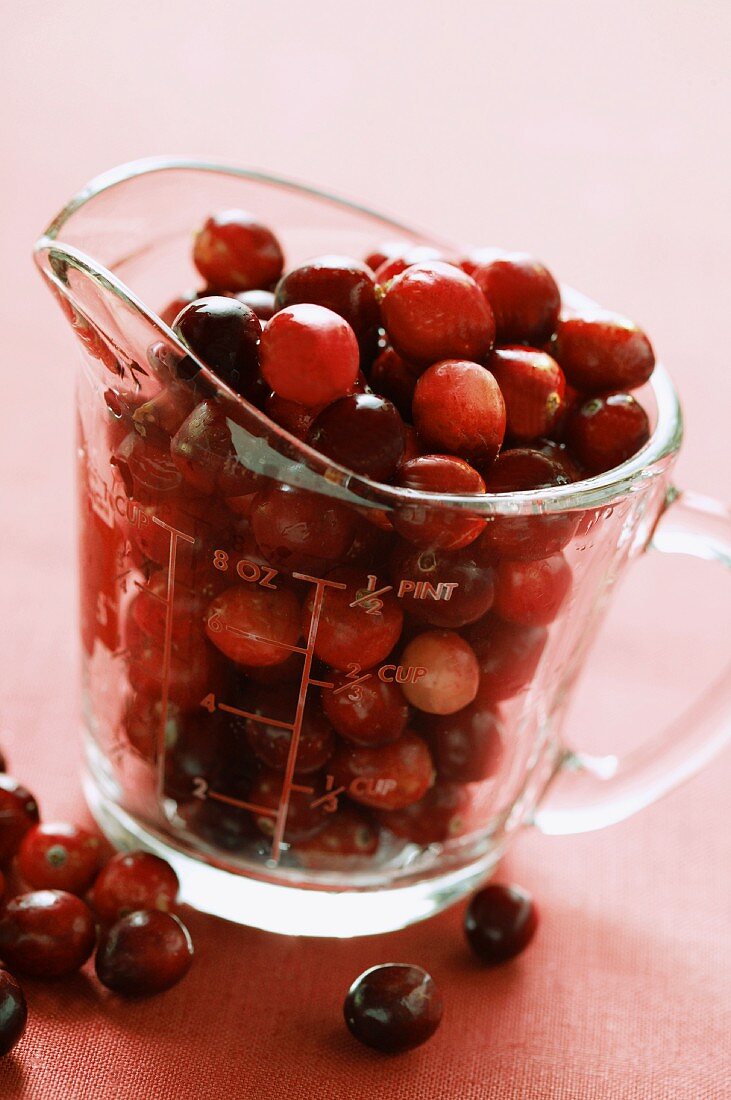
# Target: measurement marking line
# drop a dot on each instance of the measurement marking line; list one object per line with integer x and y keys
{"x": 256, "y": 717}
{"x": 266, "y": 641}
{"x": 265, "y": 810}
{"x": 322, "y": 683}
{"x": 329, "y": 797}
{"x": 155, "y": 595}
{"x": 303, "y": 790}
{"x": 366, "y": 597}
{"x": 320, "y": 582}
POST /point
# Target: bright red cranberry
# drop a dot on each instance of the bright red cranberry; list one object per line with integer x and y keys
{"x": 255, "y": 626}
{"x": 388, "y": 777}
{"x": 387, "y": 250}
{"x": 434, "y": 311}
{"x": 293, "y": 417}
{"x": 271, "y": 743}
{"x": 145, "y": 952}
{"x": 204, "y": 452}
{"x": 467, "y": 746}
{"x": 134, "y": 880}
{"x": 440, "y": 587}
{"x": 309, "y": 354}
{"x": 300, "y": 531}
{"x": 59, "y": 857}
{"x": 403, "y": 257}
{"x": 340, "y": 283}
{"x": 148, "y": 473}
{"x": 362, "y": 432}
{"x": 602, "y": 351}
{"x": 394, "y": 378}
{"x": 225, "y": 334}
{"x": 192, "y": 670}
{"x": 524, "y": 296}
{"x": 261, "y": 301}
{"x": 173, "y": 308}
{"x": 459, "y": 409}
{"x": 531, "y": 593}
{"x": 393, "y": 1007}
{"x": 46, "y": 933}
{"x": 448, "y": 674}
{"x": 370, "y": 713}
{"x": 533, "y": 386}
{"x": 438, "y": 527}
{"x": 354, "y": 629}
{"x": 508, "y": 656}
{"x": 18, "y": 813}
{"x": 233, "y": 251}
{"x": 13, "y": 1012}
{"x": 607, "y": 430}
{"x": 500, "y": 922}
{"x": 348, "y": 835}
{"x": 304, "y": 819}
{"x": 440, "y": 815}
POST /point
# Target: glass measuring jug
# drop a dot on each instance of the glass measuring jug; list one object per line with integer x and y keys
{"x": 239, "y": 622}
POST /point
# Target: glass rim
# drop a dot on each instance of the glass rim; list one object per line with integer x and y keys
{"x": 592, "y": 492}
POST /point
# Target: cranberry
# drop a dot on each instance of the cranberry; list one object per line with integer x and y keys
{"x": 339, "y": 283}
{"x": 531, "y": 593}
{"x": 253, "y": 625}
{"x": 309, "y": 354}
{"x": 467, "y": 746}
{"x": 602, "y": 351}
{"x": 305, "y": 817}
{"x": 362, "y": 432}
{"x": 59, "y": 857}
{"x": 150, "y": 612}
{"x": 348, "y": 835}
{"x": 387, "y": 777}
{"x": 293, "y": 417}
{"x": 387, "y": 250}
{"x": 354, "y": 629}
{"x": 191, "y": 670}
{"x": 449, "y": 676}
{"x": 233, "y": 251}
{"x": 141, "y": 724}
{"x": 440, "y": 587}
{"x": 508, "y": 656}
{"x": 3, "y": 761}
{"x": 434, "y": 311}
{"x": 2, "y": 884}
{"x": 500, "y": 922}
{"x": 46, "y": 934}
{"x": 143, "y": 953}
{"x": 18, "y": 813}
{"x": 173, "y": 308}
{"x": 607, "y": 430}
{"x": 261, "y": 301}
{"x": 524, "y": 296}
{"x": 220, "y": 824}
{"x": 438, "y": 527}
{"x": 134, "y": 880}
{"x": 459, "y": 409}
{"x": 271, "y": 743}
{"x": 370, "y": 713}
{"x": 225, "y": 334}
{"x": 194, "y": 750}
{"x": 158, "y": 419}
{"x": 148, "y": 473}
{"x": 411, "y": 445}
{"x": 403, "y": 257}
{"x": 300, "y": 531}
{"x": 558, "y": 453}
{"x": 393, "y": 1007}
{"x": 533, "y": 386}
{"x": 439, "y": 816}
{"x": 204, "y": 452}
{"x": 13, "y": 1012}
{"x": 394, "y": 378}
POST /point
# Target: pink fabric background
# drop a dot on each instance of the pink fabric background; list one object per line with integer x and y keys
{"x": 588, "y": 133}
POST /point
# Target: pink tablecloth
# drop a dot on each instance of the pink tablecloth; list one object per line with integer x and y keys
{"x": 590, "y": 135}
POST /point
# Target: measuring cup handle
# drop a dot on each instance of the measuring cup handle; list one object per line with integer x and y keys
{"x": 587, "y": 793}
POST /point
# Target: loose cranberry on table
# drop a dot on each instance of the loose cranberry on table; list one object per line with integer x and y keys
{"x": 393, "y": 377}
{"x": 438, "y": 527}
{"x": 204, "y": 452}
{"x": 354, "y": 628}
{"x": 134, "y": 880}
{"x": 340, "y": 283}
{"x": 46, "y": 933}
{"x": 145, "y": 952}
{"x": 467, "y": 746}
{"x": 224, "y": 333}
{"x": 448, "y": 673}
{"x": 533, "y": 387}
{"x": 458, "y": 409}
{"x": 304, "y": 819}
{"x": 531, "y": 593}
{"x": 299, "y": 531}
{"x": 393, "y": 1007}
{"x": 441, "y": 815}
{"x": 601, "y": 351}
{"x": 347, "y": 835}
{"x": 309, "y": 354}
{"x": 607, "y": 430}
{"x": 59, "y": 857}
{"x": 13, "y": 1012}
{"x": 447, "y": 588}
{"x": 435, "y": 311}
{"x": 500, "y": 922}
{"x": 255, "y": 626}
{"x": 524, "y": 296}
{"x": 233, "y": 251}
{"x": 370, "y": 713}
{"x": 362, "y": 432}
{"x": 388, "y": 777}
{"x": 18, "y": 813}
{"x": 507, "y": 654}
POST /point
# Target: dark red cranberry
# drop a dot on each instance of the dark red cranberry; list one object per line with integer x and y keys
{"x": 255, "y": 626}
{"x": 467, "y": 746}
{"x": 362, "y": 432}
{"x": 18, "y": 813}
{"x": 271, "y": 743}
{"x": 192, "y": 669}
{"x": 225, "y": 334}
{"x": 2, "y": 884}
{"x": 393, "y": 1007}
{"x": 173, "y": 308}
{"x": 150, "y": 612}
{"x": 204, "y": 452}
{"x": 403, "y": 257}
{"x": 438, "y": 527}
{"x": 459, "y": 409}
{"x": 354, "y": 629}
{"x": 434, "y": 311}
{"x": 261, "y": 301}
{"x": 59, "y": 857}
{"x": 134, "y": 880}
{"x": 370, "y": 713}
{"x": 440, "y": 587}
{"x": 533, "y": 386}
{"x": 507, "y": 654}
{"x": 524, "y": 296}
{"x": 300, "y": 531}
{"x": 394, "y": 378}
{"x": 293, "y": 417}
{"x": 46, "y": 933}
{"x": 448, "y": 672}
{"x": 500, "y": 922}
{"x": 158, "y": 419}
{"x": 3, "y": 761}
{"x": 387, "y": 250}
{"x": 607, "y": 430}
{"x": 340, "y": 283}
{"x": 531, "y": 593}
{"x": 145, "y": 952}
{"x": 305, "y": 817}
{"x": 388, "y": 777}
{"x": 348, "y": 835}
{"x": 601, "y": 351}
{"x": 439, "y": 816}
{"x": 194, "y": 749}
{"x": 309, "y": 355}
{"x": 233, "y": 251}
{"x": 147, "y": 472}
{"x": 13, "y": 1012}
{"x": 220, "y": 824}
